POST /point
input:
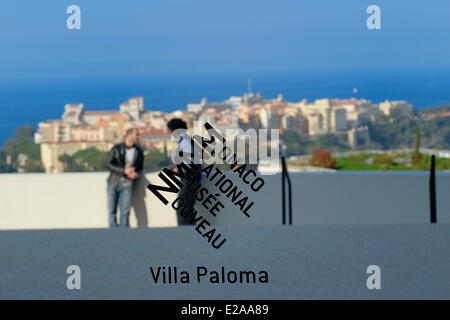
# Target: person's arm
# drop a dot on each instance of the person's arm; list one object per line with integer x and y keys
{"x": 110, "y": 162}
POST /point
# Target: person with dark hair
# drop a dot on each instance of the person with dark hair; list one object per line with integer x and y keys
{"x": 125, "y": 162}
{"x": 179, "y": 128}
{"x": 175, "y": 124}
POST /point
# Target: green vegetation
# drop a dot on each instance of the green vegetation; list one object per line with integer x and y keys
{"x": 298, "y": 145}
{"x": 155, "y": 160}
{"x": 389, "y": 162}
{"x": 389, "y": 134}
{"x": 417, "y": 157}
{"x": 440, "y": 109}
{"x": 4, "y": 165}
{"x": 22, "y": 143}
{"x": 331, "y": 142}
{"x": 295, "y": 145}
{"x": 90, "y": 159}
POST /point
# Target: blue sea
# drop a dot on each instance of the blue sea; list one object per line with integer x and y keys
{"x": 29, "y": 101}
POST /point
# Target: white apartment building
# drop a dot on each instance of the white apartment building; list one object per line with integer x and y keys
{"x": 94, "y": 117}
{"x": 73, "y": 112}
{"x": 53, "y": 131}
{"x": 197, "y": 107}
{"x": 133, "y": 108}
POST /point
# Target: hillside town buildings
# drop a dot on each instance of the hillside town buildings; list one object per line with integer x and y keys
{"x": 79, "y": 128}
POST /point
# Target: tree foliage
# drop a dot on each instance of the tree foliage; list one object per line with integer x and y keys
{"x": 440, "y": 109}
{"x": 155, "y": 160}
{"x": 26, "y": 132}
{"x": 417, "y": 157}
{"x": 21, "y": 143}
{"x": 90, "y": 159}
{"x": 4, "y": 166}
{"x": 295, "y": 145}
{"x": 298, "y": 145}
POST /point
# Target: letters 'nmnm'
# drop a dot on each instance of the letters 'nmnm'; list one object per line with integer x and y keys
{"x": 169, "y": 187}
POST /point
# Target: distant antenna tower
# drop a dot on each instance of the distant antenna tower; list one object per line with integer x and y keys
{"x": 249, "y": 85}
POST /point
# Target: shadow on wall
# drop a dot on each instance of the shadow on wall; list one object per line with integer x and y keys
{"x": 138, "y": 203}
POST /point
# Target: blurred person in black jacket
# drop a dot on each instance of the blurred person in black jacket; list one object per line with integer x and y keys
{"x": 125, "y": 163}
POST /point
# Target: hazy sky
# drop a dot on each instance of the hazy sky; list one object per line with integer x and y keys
{"x": 143, "y": 37}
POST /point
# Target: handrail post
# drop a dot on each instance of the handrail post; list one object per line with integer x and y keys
{"x": 432, "y": 185}
{"x": 285, "y": 176}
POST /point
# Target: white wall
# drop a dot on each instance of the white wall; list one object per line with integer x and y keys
{"x": 69, "y": 200}
{"x": 78, "y": 200}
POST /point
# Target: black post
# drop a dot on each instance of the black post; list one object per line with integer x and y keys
{"x": 286, "y": 172}
{"x": 285, "y": 176}
{"x": 283, "y": 194}
{"x": 432, "y": 191}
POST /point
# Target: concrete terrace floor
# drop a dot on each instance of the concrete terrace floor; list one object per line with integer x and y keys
{"x": 303, "y": 262}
